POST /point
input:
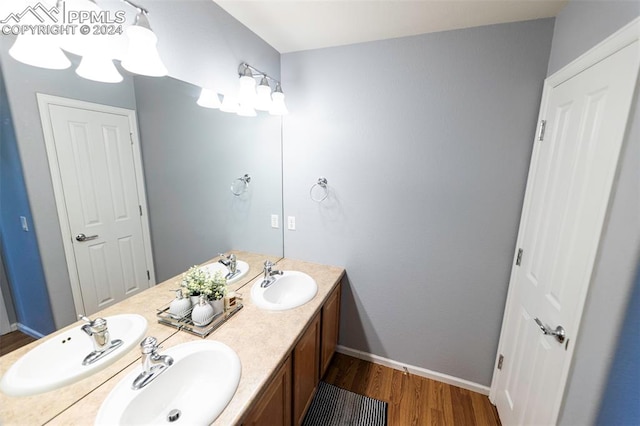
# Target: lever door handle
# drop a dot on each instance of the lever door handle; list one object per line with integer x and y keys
{"x": 82, "y": 237}
{"x": 558, "y": 333}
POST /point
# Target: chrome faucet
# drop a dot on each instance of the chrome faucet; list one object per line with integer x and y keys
{"x": 99, "y": 333}
{"x": 153, "y": 364}
{"x": 231, "y": 263}
{"x": 269, "y": 274}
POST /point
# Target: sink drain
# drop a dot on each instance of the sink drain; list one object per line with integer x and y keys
{"x": 173, "y": 415}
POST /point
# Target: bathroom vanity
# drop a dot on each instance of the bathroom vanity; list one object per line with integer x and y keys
{"x": 283, "y": 354}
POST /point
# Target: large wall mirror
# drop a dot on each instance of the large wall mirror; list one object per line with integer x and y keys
{"x": 191, "y": 156}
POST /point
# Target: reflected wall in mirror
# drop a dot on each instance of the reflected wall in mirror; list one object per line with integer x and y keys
{"x": 191, "y": 156}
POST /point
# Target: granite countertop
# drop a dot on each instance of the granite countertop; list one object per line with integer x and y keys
{"x": 262, "y": 340}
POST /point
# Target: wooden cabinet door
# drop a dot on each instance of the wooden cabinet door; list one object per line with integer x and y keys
{"x": 306, "y": 369}
{"x": 274, "y": 405}
{"x": 330, "y": 328}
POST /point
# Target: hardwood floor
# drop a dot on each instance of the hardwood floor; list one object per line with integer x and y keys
{"x": 11, "y": 341}
{"x": 413, "y": 400}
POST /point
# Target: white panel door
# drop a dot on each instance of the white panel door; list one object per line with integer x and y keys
{"x": 96, "y": 165}
{"x": 567, "y": 197}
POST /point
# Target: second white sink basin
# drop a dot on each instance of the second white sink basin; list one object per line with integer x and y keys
{"x": 241, "y": 267}
{"x": 288, "y": 291}
{"x": 57, "y": 362}
{"x": 193, "y": 391}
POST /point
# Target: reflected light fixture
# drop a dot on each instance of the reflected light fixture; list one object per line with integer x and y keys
{"x": 278, "y": 107}
{"x": 39, "y": 51}
{"x": 208, "y": 99}
{"x": 142, "y": 55}
{"x": 263, "y": 97}
{"x": 259, "y": 98}
{"x": 95, "y": 66}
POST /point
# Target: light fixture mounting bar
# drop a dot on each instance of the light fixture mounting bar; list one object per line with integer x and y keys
{"x": 254, "y": 71}
{"x": 140, "y": 8}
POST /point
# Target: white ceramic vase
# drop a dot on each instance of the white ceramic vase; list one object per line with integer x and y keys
{"x": 218, "y": 306}
{"x": 202, "y": 313}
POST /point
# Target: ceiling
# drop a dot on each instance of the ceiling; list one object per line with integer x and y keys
{"x": 293, "y": 25}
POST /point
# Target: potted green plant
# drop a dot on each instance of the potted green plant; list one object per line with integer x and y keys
{"x": 198, "y": 281}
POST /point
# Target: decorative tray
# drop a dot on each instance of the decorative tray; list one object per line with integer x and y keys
{"x": 185, "y": 323}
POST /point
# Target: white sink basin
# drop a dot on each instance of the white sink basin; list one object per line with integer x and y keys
{"x": 241, "y": 266}
{"x": 290, "y": 290}
{"x": 200, "y": 383}
{"x": 58, "y": 361}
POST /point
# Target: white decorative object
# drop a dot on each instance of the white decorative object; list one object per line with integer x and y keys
{"x": 202, "y": 313}
{"x": 218, "y": 306}
{"x": 180, "y": 306}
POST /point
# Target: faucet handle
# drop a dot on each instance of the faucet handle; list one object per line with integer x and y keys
{"x": 97, "y": 325}
{"x": 268, "y": 264}
{"x": 149, "y": 345}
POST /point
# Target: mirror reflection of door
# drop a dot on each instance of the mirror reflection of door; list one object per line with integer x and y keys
{"x": 98, "y": 184}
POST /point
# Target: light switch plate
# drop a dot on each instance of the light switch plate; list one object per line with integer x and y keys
{"x": 274, "y": 221}
{"x": 291, "y": 223}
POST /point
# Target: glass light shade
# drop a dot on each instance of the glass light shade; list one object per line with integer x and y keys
{"x": 229, "y": 104}
{"x": 247, "y": 92}
{"x": 142, "y": 56}
{"x": 208, "y": 99}
{"x": 96, "y": 67}
{"x": 263, "y": 97}
{"x": 278, "y": 107}
{"x": 39, "y": 51}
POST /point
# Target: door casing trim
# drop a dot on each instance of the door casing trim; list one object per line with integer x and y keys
{"x": 44, "y": 101}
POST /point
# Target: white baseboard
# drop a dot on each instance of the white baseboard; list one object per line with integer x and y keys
{"x": 29, "y": 331}
{"x": 418, "y": 371}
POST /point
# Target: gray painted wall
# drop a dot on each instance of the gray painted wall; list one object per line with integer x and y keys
{"x": 580, "y": 26}
{"x": 199, "y": 43}
{"x": 190, "y": 157}
{"x": 425, "y": 142}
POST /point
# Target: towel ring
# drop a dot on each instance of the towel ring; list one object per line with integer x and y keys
{"x": 322, "y": 183}
{"x": 240, "y": 185}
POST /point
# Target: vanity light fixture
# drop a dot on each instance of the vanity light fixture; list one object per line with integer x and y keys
{"x": 142, "y": 56}
{"x": 263, "y": 99}
{"x": 209, "y": 99}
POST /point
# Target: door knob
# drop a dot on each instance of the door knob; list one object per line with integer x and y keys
{"x": 558, "y": 333}
{"x": 82, "y": 237}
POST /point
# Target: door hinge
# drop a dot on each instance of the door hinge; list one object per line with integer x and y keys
{"x": 500, "y": 361}
{"x": 148, "y": 276}
{"x": 543, "y": 126}
{"x": 140, "y": 208}
{"x": 519, "y": 257}
{"x": 131, "y": 138}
